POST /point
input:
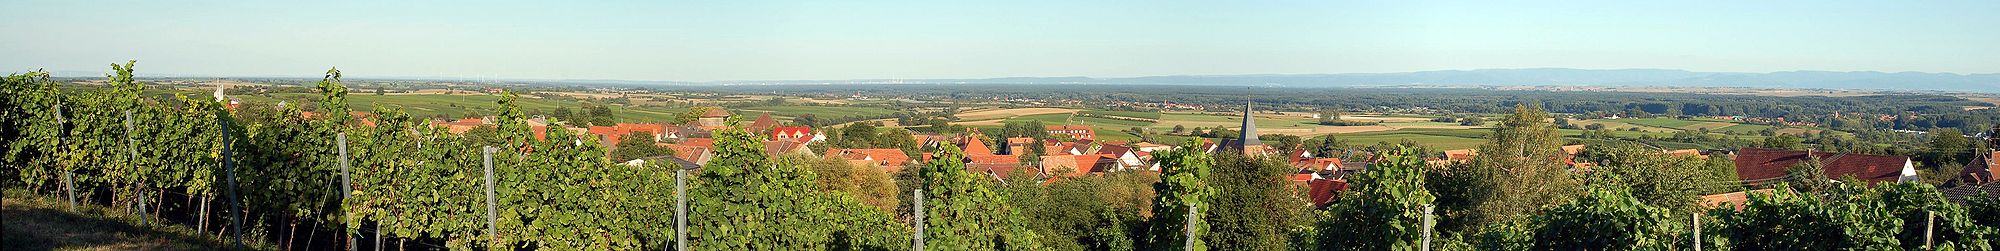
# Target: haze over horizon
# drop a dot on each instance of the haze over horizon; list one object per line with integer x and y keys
{"x": 970, "y": 40}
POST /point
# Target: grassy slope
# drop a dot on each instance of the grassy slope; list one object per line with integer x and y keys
{"x": 35, "y": 222}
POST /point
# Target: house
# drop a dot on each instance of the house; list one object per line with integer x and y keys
{"x": 1324, "y": 192}
{"x": 796, "y": 133}
{"x": 1960, "y": 194}
{"x": 786, "y": 147}
{"x": 1075, "y": 165}
{"x": 611, "y": 135}
{"x": 1731, "y": 199}
{"x": 1981, "y": 170}
{"x": 1074, "y": 132}
{"x": 1763, "y": 166}
{"x": 762, "y": 124}
{"x": 712, "y": 119}
{"x": 1126, "y": 158}
{"x": 674, "y": 161}
{"x": 1451, "y": 157}
{"x": 1000, "y": 166}
{"x": 693, "y": 153}
{"x": 1152, "y": 147}
{"x": 1016, "y": 145}
{"x": 1686, "y": 153}
{"x": 891, "y": 160}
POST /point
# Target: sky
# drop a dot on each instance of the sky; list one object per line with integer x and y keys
{"x": 780, "y": 40}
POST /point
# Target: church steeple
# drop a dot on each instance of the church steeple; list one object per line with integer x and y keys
{"x": 1249, "y": 137}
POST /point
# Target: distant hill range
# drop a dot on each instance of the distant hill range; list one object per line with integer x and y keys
{"x": 1863, "y": 80}
{"x": 1853, "y": 80}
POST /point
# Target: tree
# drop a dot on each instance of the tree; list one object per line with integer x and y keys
{"x": 601, "y": 116}
{"x": 1255, "y": 207}
{"x": 1518, "y": 170}
{"x": 1637, "y": 171}
{"x": 1385, "y": 209}
{"x": 637, "y": 145}
{"x": 1183, "y": 183}
{"x": 1178, "y": 128}
{"x": 1947, "y": 145}
{"x": 1810, "y": 175}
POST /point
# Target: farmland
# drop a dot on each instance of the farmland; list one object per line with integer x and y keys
{"x": 794, "y": 111}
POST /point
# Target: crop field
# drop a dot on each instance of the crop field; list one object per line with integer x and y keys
{"x": 1435, "y": 138}
{"x": 976, "y": 115}
{"x": 793, "y": 111}
{"x": 1128, "y": 114}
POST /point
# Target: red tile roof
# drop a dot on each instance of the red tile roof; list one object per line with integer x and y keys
{"x": 891, "y": 159}
{"x": 1324, "y": 192}
{"x": 788, "y": 132}
{"x": 1765, "y": 165}
{"x": 700, "y": 142}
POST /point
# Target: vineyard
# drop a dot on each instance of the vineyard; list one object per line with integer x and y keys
{"x": 290, "y": 179}
{"x": 332, "y": 178}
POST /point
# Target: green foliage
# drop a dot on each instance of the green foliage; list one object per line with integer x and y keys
{"x": 744, "y": 201}
{"x": 1809, "y": 176}
{"x": 1385, "y": 209}
{"x": 1605, "y": 219}
{"x": 1255, "y": 206}
{"x": 1912, "y": 202}
{"x": 638, "y": 145}
{"x": 1086, "y": 212}
{"x": 1184, "y": 177}
{"x": 1518, "y": 170}
{"x": 1790, "y": 221}
{"x": 963, "y": 212}
{"x": 1659, "y": 180}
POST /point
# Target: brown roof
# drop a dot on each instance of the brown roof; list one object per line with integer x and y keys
{"x": 1460, "y": 154}
{"x": 714, "y": 113}
{"x": 1981, "y": 170}
{"x": 1573, "y": 149}
{"x": 1764, "y": 165}
{"x": 762, "y": 123}
{"x": 1733, "y": 199}
{"x": 891, "y": 159}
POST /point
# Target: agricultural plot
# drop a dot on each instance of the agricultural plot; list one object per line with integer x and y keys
{"x": 1009, "y": 113}
{"x": 817, "y": 111}
{"x": 1426, "y": 137}
{"x": 1127, "y": 114}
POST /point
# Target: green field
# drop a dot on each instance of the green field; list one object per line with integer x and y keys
{"x": 1100, "y": 124}
{"x": 1128, "y": 114}
{"x": 1658, "y": 122}
{"x": 1436, "y": 139}
{"x": 828, "y": 112}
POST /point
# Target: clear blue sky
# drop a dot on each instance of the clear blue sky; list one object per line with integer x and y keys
{"x": 756, "y": 40}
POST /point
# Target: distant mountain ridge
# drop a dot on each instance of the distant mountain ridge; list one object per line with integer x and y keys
{"x": 1866, "y": 80}
{"x": 1855, "y": 80}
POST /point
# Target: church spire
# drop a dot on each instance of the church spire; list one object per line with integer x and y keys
{"x": 1249, "y": 137}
